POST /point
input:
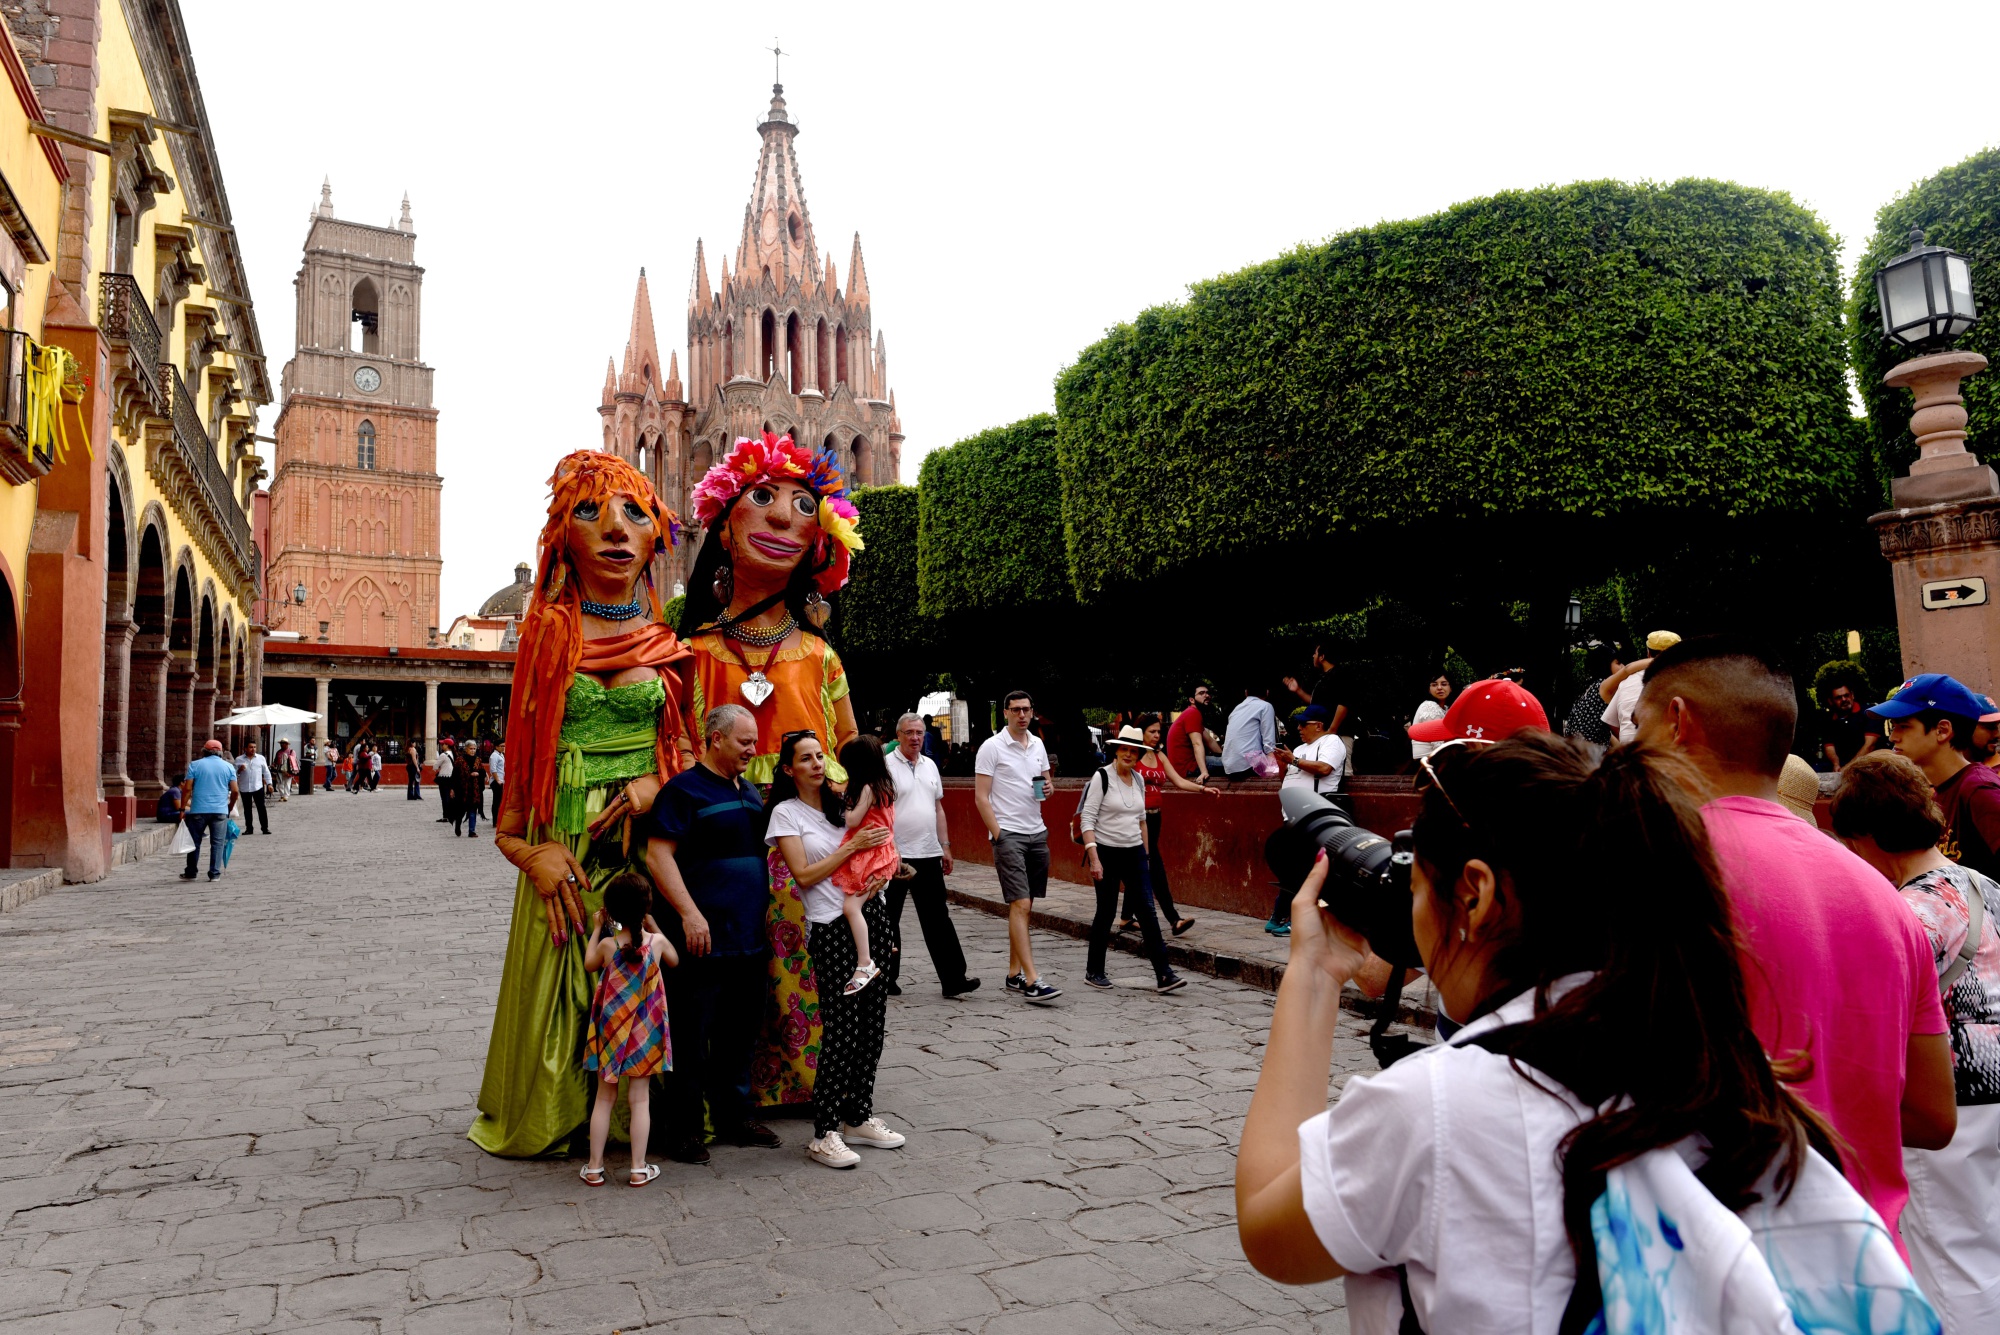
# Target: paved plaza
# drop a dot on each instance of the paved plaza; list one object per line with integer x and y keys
{"x": 242, "y": 1106}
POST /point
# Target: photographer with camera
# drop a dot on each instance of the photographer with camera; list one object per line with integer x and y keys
{"x": 1457, "y": 1188}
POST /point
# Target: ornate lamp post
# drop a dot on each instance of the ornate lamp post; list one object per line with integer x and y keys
{"x": 1926, "y": 299}
{"x": 1942, "y": 538}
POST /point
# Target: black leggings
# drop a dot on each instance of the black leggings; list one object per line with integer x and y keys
{"x": 850, "y": 1044}
{"x": 1124, "y": 867}
{"x": 1156, "y": 867}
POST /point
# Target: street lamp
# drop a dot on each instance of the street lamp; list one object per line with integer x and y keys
{"x": 1925, "y": 294}
{"x": 1573, "y": 617}
{"x": 299, "y": 594}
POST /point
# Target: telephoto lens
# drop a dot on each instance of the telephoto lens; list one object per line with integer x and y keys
{"x": 1367, "y": 878}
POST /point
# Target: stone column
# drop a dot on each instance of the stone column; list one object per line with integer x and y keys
{"x": 118, "y": 797}
{"x": 146, "y": 726}
{"x": 430, "y": 722}
{"x": 322, "y": 727}
{"x": 204, "y": 711}
{"x": 177, "y": 746}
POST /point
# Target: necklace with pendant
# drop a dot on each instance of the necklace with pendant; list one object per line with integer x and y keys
{"x": 757, "y": 687}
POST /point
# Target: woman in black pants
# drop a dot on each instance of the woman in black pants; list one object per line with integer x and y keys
{"x": 1113, "y": 820}
{"x": 806, "y": 827}
{"x": 1157, "y": 776}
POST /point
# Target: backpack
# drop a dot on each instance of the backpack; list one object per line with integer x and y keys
{"x": 1076, "y": 816}
{"x": 1673, "y": 1260}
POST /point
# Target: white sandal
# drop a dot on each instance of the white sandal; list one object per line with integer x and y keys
{"x": 862, "y": 978}
{"x": 593, "y": 1177}
{"x": 641, "y": 1176}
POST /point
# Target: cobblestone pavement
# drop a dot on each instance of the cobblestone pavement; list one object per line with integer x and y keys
{"x": 242, "y": 1106}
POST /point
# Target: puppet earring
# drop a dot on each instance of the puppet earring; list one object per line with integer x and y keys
{"x": 817, "y": 611}
{"x": 725, "y": 584}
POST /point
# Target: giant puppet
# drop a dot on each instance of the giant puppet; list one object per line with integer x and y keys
{"x": 596, "y": 725}
{"x": 780, "y": 534}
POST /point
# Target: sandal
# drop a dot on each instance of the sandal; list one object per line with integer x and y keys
{"x": 641, "y": 1176}
{"x": 1183, "y": 925}
{"x": 593, "y": 1177}
{"x": 862, "y": 978}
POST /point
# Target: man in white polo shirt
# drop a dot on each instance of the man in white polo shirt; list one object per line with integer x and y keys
{"x": 1011, "y": 781}
{"x": 924, "y": 840}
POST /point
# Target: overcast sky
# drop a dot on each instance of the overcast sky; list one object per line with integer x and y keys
{"x": 1022, "y": 175}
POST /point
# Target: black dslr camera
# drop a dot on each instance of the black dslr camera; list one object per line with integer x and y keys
{"x": 1367, "y": 888}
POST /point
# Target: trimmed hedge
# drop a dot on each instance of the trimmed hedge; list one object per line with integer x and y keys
{"x": 877, "y": 611}
{"x": 1546, "y": 367}
{"x": 991, "y": 534}
{"x": 1958, "y": 208}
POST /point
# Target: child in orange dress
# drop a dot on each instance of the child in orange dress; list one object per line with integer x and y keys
{"x": 871, "y": 800}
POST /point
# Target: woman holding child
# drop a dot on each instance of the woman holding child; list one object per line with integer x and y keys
{"x": 596, "y": 724}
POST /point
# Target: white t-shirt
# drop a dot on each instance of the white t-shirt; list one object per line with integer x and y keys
{"x": 1624, "y": 704}
{"x": 1328, "y": 750}
{"x": 1446, "y": 1164}
{"x": 919, "y": 789}
{"x": 1014, "y": 768}
{"x": 1117, "y": 814}
{"x": 819, "y": 836}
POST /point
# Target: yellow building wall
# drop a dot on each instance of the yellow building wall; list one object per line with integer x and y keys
{"x": 35, "y": 184}
{"x": 122, "y": 85}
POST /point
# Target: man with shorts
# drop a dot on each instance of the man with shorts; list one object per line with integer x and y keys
{"x": 1011, "y": 781}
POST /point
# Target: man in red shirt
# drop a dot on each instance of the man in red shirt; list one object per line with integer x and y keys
{"x": 1187, "y": 749}
{"x": 1934, "y": 720}
{"x": 1837, "y": 970}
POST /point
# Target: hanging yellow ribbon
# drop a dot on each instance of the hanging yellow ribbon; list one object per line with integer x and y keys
{"x": 49, "y": 369}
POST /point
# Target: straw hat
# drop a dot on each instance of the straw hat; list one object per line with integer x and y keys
{"x": 1798, "y": 788}
{"x": 1132, "y": 737}
{"x": 1662, "y": 640}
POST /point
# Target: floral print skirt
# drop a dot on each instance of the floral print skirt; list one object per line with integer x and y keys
{"x": 787, "y": 1056}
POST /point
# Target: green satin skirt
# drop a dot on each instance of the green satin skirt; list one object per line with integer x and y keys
{"x": 535, "y": 1093}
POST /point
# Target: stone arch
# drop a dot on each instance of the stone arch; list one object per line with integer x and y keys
{"x": 822, "y": 350}
{"x": 11, "y": 608}
{"x": 364, "y": 445}
{"x": 729, "y": 350}
{"x": 121, "y": 537}
{"x": 795, "y": 378}
{"x": 858, "y": 476}
{"x": 701, "y": 459}
{"x": 150, "y": 582}
{"x": 181, "y": 614}
{"x": 767, "y": 357}
{"x": 356, "y": 605}
{"x": 840, "y": 354}
{"x": 333, "y": 319}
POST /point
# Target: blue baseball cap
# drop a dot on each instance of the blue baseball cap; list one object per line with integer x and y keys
{"x": 1935, "y": 690}
{"x": 1316, "y": 714}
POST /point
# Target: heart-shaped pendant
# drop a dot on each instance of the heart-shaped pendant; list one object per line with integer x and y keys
{"x": 757, "y": 689}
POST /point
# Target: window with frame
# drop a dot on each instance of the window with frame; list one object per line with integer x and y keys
{"x": 364, "y": 451}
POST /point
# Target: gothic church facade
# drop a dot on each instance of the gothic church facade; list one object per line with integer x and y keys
{"x": 776, "y": 344}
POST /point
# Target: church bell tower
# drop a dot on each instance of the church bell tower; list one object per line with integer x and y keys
{"x": 354, "y": 505}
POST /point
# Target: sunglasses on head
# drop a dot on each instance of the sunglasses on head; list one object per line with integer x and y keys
{"x": 1424, "y": 764}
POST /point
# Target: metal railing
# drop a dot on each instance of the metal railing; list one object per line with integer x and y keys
{"x": 126, "y": 316}
{"x": 197, "y": 451}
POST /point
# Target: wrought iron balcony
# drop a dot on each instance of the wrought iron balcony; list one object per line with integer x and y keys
{"x": 196, "y": 453}
{"x": 19, "y": 460}
{"x": 126, "y": 319}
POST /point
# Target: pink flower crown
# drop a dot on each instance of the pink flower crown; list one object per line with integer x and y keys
{"x": 759, "y": 461}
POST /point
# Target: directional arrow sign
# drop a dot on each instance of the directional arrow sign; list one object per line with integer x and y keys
{"x": 1940, "y": 594}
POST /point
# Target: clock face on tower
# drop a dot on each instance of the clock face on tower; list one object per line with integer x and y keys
{"x": 367, "y": 379}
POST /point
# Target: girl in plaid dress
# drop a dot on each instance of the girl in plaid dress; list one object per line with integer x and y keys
{"x": 628, "y": 1019}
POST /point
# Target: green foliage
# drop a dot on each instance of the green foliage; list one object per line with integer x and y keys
{"x": 672, "y": 610}
{"x": 1958, "y": 208}
{"x": 1527, "y": 377}
{"x": 1840, "y": 672}
{"x": 991, "y": 535}
{"x": 878, "y": 608}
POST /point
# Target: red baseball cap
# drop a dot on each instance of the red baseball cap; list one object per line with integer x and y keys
{"x": 1485, "y": 711}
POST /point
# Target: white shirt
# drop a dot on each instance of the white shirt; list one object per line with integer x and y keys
{"x": 1328, "y": 750}
{"x": 252, "y": 773}
{"x": 1253, "y": 726}
{"x": 497, "y": 765}
{"x": 444, "y": 765}
{"x": 1430, "y": 711}
{"x": 919, "y": 789}
{"x": 1013, "y": 768}
{"x": 1118, "y": 813}
{"x": 819, "y": 837}
{"x": 1446, "y": 1163}
{"x": 1624, "y": 704}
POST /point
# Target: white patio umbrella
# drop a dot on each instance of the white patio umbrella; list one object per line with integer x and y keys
{"x": 258, "y": 716}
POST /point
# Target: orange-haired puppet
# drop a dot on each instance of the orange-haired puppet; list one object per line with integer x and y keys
{"x": 594, "y": 728}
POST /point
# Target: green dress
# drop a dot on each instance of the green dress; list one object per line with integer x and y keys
{"x": 536, "y": 1093}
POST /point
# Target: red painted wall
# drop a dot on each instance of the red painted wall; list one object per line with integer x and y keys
{"x": 1213, "y": 846}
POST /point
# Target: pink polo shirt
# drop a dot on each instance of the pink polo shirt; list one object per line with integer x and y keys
{"x": 1837, "y": 967}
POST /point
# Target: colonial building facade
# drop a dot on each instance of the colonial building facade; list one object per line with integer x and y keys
{"x": 778, "y": 344}
{"x": 354, "y": 506}
{"x": 128, "y": 570}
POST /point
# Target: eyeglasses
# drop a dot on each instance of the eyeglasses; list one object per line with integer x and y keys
{"x": 1424, "y": 763}
{"x": 797, "y": 733}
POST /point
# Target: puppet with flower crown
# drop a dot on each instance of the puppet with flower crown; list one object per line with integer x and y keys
{"x": 779, "y": 536}
{"x": 594, "y": 728}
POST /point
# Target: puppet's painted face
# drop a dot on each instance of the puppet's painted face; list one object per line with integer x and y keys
{"x": 611, "y": 540}
{"x": 773, "y": 527}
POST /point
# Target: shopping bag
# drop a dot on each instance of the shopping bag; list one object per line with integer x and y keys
{"x": 183, "y": 841}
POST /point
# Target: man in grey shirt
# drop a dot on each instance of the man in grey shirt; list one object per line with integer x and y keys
{"x": 1253, "y": 729}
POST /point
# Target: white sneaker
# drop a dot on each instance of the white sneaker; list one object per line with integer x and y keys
{"x": 830, "y": 1150}
{"x": 873, "y": 1132}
